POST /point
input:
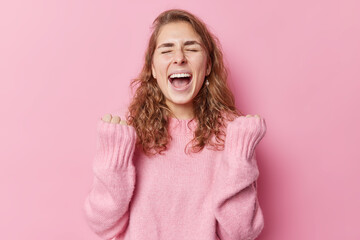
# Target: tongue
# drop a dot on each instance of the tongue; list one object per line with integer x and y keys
{"x": 180, "y": 82}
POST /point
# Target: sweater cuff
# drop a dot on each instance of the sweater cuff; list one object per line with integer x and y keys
{"x": 115, "y": 147}
{"x": 243, "y": 135}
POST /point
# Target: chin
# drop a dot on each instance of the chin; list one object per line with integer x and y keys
{"x": 181, "y": 101}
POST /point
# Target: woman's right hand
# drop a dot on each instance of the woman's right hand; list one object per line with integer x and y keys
{"x": 116, "y": 142}
{"x": 107, "y": 204}
{"x": 113, "y": 119}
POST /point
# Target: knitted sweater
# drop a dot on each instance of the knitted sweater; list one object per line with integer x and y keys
{"x": 209, "y": 195}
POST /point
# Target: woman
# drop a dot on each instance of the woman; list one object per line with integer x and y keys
{"x": 147, "y": 184}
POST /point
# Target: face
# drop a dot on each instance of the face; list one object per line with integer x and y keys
{"x": 179, "y": 49}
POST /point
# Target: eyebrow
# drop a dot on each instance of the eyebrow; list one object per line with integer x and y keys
{"x": 172, "y": 44}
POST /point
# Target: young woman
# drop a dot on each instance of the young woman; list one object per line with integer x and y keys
{"x": 149, "y": 184}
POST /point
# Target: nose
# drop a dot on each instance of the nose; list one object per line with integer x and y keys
{"x": 179, "y": 57}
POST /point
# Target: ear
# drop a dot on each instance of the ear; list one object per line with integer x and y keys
{"x": 153, "y": 70}
{"x": 208, "y": 69}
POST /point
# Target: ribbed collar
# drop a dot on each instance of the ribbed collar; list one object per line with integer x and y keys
{"x": 181, "y": 126}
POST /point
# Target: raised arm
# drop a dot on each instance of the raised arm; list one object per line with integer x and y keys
{"x": 106, "y": 206}
{"x": 236, "y": 207}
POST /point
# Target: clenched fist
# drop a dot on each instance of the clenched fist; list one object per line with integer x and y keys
{"x": 256, "y": 115}
{"x": 113, "y": 119}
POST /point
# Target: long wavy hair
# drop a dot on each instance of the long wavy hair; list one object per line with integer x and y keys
{"x": 148, "y": 112}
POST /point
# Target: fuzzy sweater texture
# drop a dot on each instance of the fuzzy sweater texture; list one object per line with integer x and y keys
{"x": 209, "y": 195}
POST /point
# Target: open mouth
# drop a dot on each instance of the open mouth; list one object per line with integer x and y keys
{"x": 180, "y": 81}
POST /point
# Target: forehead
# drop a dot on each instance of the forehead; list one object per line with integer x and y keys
{"x": 177, "y": 31}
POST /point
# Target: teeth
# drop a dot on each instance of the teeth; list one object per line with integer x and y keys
{"x": 179, "y": 75}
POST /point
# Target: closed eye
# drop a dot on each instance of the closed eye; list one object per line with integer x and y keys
{"x": 192, "y": 50}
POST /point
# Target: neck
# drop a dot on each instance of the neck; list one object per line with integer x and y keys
{"x": 182, "y": 111}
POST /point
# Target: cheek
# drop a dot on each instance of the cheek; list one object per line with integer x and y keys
{"x": 159, "y": 82}
{"x": 163, "y": 60}
{"x": 162, "y": 85}
{"x": 200, "y": 62}
{"x": 160, "y": 62}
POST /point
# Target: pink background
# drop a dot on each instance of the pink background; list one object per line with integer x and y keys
{"x": 63, "y": 64}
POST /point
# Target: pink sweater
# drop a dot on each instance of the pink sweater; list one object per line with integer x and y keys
{"x": 209, "y": 195}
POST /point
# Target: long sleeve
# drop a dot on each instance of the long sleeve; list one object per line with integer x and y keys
{"x": 234, "y": 198}
{"x": 106, "y": 206}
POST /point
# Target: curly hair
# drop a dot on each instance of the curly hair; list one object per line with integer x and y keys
{"x": 214, "y": 103}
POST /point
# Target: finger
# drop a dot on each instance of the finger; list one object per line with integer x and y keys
{"x": 248, "y": 116}
{"x": 107, "y": 117}
{"x": 115, "y": 119}
{"x": 123, "y": 122}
